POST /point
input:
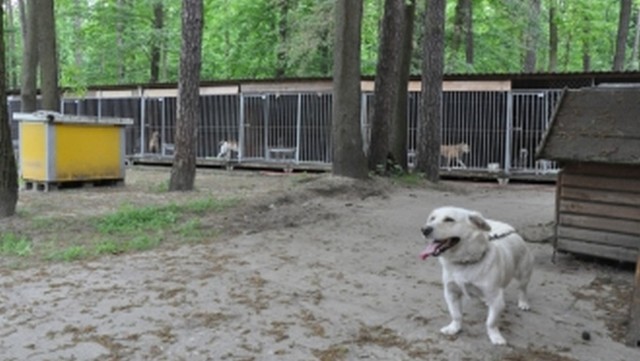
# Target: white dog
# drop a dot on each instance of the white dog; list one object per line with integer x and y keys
{"x": 226, "y": 147}
{"x": 479, "y": 257}
{"x": 453, "y": 152}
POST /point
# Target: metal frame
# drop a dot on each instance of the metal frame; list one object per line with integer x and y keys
{"x": 502, "y": 128}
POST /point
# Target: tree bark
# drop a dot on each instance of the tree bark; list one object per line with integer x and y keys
{"x": 11, "y": 56}
{"x": 23, "y": 20}
{"x": 463, "y": 29}
{"x": 468, "y": 33}
{"x": 348, "y": 156}
{"x": 623, "y": 32}
{"x": 158, "y": 40}
{"x": 586, "y": 56}
{"x": 8, "y": 169}
{"x": 636, "y": 42}
{"x": 29, "y": 58}
{"x": 531, "y": 36}
{"x": 399, "y": 128}
{"x": 428, "y": 152}
{"x": 48, "y": 56}
{"x": 386, "y": 90}
{"x": 183, "y": 171}
{"x": 553, "y": 37}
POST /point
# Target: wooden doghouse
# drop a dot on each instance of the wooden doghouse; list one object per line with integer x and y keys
{"x": 595, "y": 135}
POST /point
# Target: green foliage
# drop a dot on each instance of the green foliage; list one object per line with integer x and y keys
{"x": 14, "y": 245}
{"x": 68, "y": 254}
{"x": 143, "y": 243}
{"x": 130, "y": 219}
{"x": 201, "y": 206}
{"x": 190, "y": 228}
{"x": 109, "y": 246}
{"x": 104, "y": 42}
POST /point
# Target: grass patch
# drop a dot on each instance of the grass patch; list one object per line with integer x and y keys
{"x": 129, "y": 219}
{"x": 14, "y": 245}
{"x": 201, "y": 206}
{"x": 143, "y": 243}
{"x": 109, "y": 246}
{"x": 190, "y": 229}
{"x": 410, "y": 179}
{"x": 132, "y": 220}
{"x": 162, "y": 187}
{"x": 129, "y": 229}
{"x": 71, "y": 253}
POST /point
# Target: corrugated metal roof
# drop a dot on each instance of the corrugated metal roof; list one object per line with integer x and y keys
{"x": 600, "y": 124}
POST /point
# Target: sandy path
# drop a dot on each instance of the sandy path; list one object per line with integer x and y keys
{"x": 343, "y": 284}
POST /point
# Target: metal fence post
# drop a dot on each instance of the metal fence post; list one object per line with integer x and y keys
{"x": 163, "y": 125}
{"x": 100, "y": 104}
{"x": 508, "y": 133}
{"x": 298, "y": 127}
{"x": 142, "y": 120}
{"x": 363, "y": 124}
{"x": 241, "y": 126}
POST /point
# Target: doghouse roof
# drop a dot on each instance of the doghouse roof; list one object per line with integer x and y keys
{"x": 599, "y": 124}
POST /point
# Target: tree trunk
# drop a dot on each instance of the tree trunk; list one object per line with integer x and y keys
{"x": 157, "y": 40}
{"x": 623, "y": 32}
{"x": 586, "y": 56}
{"x": 29, "y": 58}
{"x": 23, "y": 20}
{"x": 183, "y": 172}
{"x": 48, "y": 56}
{"x": 468, "y": 33}
{"x": 281, "y": 66}
{"x": 463, "y": 30}
{"x": 348, "y": 156}
{"x": 386, "y": 90}
{"x": 11, "y": 56}
{"x": 456, "y": 36}
{"x": 428, "y": 152}
{"x": 399, "y": 127}
{"x": 8, "y": 170}
{"x": 567, "y": 52}
{"x": 636, "y": 43}
{"x": 553, "y": 37}
{"x": 531, "y": 37}
{"x": 324, "y": 53}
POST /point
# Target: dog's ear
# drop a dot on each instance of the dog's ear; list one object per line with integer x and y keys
{"x": 477, "y": 220}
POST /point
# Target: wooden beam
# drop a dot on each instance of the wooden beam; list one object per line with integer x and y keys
{"x": 633, "y": 333}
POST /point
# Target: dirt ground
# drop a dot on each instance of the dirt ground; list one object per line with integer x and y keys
{"x": 307, "y": 267}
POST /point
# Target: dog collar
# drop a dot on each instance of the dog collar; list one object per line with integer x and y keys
{"x": 502, "y": 235}
{"x": 491, "y": 238}
{"x": 466, "y": 262}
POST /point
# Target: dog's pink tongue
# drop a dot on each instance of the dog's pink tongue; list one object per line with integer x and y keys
{"x": 431, "y": 248}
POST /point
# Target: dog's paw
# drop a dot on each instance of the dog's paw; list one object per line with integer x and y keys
{"x": 524, "y": 305}
{"x": 495, "y": 337}
{"x": 451, "y": 329}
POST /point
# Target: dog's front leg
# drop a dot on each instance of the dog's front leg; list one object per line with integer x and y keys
{"x": 453, "y": 296}
{"x": 496, "y": 306}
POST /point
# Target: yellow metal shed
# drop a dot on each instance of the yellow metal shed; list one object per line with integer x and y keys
{"x": 56, "y": 148}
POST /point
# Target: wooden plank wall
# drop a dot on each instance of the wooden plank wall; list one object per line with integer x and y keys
{"x": 598, "y": 210}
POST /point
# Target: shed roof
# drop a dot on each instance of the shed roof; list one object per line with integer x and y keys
{"x": 600, "y": 124}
